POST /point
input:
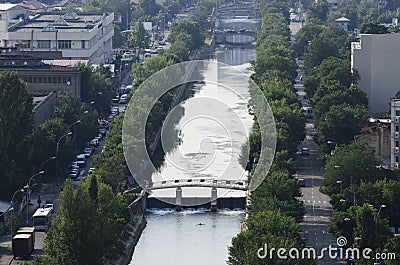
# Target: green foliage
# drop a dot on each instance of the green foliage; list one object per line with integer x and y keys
{"x": 318, "y": 10}
{"x": 85, "y": 232}
{"x": 139, "y": 37}
{"x": 373, "y": 28}
{"x": 266, "y": 229}
{"x": 356, "y": 162}
{"x": 97, "y": 87}
{"x": 16, "y": 125}
{"x": 332, "y": 41}
{"x": 304, "y": 36}
{"x": 274, "y": 208}
{"x": 191, "y": 30}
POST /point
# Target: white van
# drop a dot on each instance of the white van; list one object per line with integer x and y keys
{"x": 122, "y": 100}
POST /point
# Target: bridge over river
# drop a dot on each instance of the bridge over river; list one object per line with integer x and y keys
{"x": 237, "y": 24}
{"x": 178, "y": 184}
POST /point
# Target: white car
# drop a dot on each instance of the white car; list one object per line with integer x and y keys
{"x": 49, "y": 206}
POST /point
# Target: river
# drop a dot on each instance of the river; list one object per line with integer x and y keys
{"x": 176, "y": 238}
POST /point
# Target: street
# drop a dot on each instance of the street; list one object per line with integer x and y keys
{"x": 318, "y": 208}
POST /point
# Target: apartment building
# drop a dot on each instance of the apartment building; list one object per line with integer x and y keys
{"x": 78, "y": 36}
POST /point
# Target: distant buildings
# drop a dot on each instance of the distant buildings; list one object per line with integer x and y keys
{"x": 343, "y": 23}
{"x": 40, "y": 78}
{"x": 83, "y": 36}
{"x": 377, "y": 58}
{"x": 395, "y": 131}
{"x": 377, "y": 134}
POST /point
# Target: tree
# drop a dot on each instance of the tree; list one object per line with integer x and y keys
{"x": 98, "y": 87}
{"x": 353, "y": 162}
{"x": 139, "y": 37}
{"x": 332, "y": 41}
{"x": 118, "y": 40}
{"x": 304, "y": 36}
{"x": 83, "y": 232}
{"x": 373, "y": 28}
{"x": 16, "y": 125}
{"x": 191, "y": 28}
{"x": 319, "y": 10}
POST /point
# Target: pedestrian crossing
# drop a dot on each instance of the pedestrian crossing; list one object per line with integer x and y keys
{"x": 320, "y": 202}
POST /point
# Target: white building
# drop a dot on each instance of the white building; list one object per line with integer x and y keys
{"x": 377, "y": 58}
{"x": 395, "y": 130}
{"x": 82, "y": 36}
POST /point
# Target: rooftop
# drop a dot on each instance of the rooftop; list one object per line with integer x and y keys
{"x": 4, "y": 7}
{"x": 59, "y": 21}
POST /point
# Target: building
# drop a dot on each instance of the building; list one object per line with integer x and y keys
{"x": 377, "y": 134}
{"x": 395, "y": 130}
{"x": 44, "y": 108}
{"x": 35, "y": 5}
{"x": 343, "y": 23}
{"x": 78, "y": 36}
{"x": 377, "y": 58}
{"x": 41, "y": 79}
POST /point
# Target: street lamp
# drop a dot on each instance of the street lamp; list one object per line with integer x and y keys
{"x": 42, "y": 165}
{"x": 69, "y": 127}
{"x": 376, "y": 216}
{"x": 57, "y": 150}
{"x": 28, "y": 194}
{"x": 12, "y": 213}
{"x": 352, "y": 187}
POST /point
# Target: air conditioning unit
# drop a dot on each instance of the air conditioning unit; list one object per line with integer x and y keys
{"x": 396, "y": 150}
{"x": 396, "y": 119}
{"x": 396, "y": 165}
{"x": 396, "y": 134}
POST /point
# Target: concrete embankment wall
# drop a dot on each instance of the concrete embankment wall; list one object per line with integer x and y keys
{"x": 197, "y": 202}
{"x": 132, "y": 231}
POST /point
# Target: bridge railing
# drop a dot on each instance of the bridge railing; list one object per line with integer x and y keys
{"x": 217, "y": 183}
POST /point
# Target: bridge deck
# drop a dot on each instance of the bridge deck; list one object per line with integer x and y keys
{"x": 211, "y": 183}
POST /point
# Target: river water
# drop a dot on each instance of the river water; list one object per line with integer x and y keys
{"x": 176, "y": 238}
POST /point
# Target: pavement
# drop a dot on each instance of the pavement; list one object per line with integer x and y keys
{"x": 49, "y": 193}
{"x": 318, "y": 208}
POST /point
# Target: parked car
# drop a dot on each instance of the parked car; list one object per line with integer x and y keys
{"x": 94, "y": 142}
{"x": 122, "y": 100}
{"x": 301, "y": 182}
{"x": 88, "y": 152}
{"x": 305, "y": 151}
{"x": 102, "y": 131}
{"x": 73, "y": 174}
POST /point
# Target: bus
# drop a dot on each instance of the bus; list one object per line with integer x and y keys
{"x": 42, "y": 219}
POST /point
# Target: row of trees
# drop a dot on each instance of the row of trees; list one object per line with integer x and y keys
{"x": 339, "y": 105}
{"x": 363, "y": 194}
{"x": 185, "y": 37}
{"x": 274, "y": 210}
{"x": 365, "y": 199}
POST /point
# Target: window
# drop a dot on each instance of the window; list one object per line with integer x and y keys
{"x": 30, "y": 79}
{"x": 26, "y": 44}
{"x": 397, "y": 159}
{"x": 34, "y": 79}
{"x": 64, "y": 44}
{"x": 397, "y": 128}
{"x": 59, "y": 80}
{"x": 83, "y": 44}
{"x": 45, "y": 79}
{"x": 64, "y": 80}
{"x": 397, "y": 112}
{"x": 39, "y": 79}
{"x": 43, "y": 44}
{"x": 55, "y": 80}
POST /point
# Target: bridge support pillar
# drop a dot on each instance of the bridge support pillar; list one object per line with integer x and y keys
{"x": 178, "y": 200}
{"x": 214, "y": 199}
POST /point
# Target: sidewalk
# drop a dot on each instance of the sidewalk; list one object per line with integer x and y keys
{"x": 48, "y": 193}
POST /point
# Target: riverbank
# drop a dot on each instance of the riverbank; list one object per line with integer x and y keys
{"x": 133, "y": 230}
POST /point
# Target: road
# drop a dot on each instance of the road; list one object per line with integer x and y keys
{"x": 318, "y": 208}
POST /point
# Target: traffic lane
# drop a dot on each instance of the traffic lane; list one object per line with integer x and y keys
{"x": 38, "y": 249}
